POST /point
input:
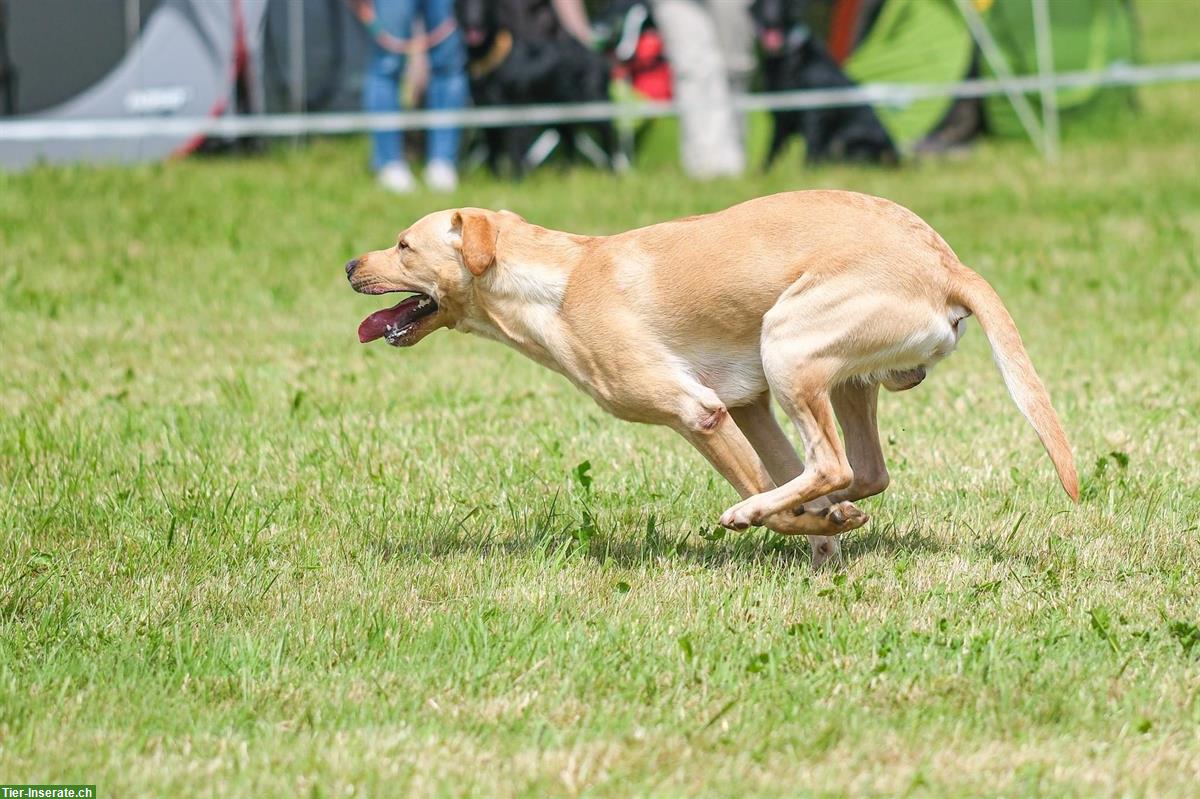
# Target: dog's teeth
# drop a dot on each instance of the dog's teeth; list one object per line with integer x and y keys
{"x": 393, "y": 333}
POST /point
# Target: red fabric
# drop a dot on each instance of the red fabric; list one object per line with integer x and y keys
{"x": 648, "y": 71}
{"x": 841, "y": 29}
{"x": 239, "y": 38}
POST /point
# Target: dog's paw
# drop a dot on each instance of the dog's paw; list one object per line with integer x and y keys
{"x": 830, "y": 520}
{"x": 742, "y": 516}
{"x": 826, "y": 551}
{"x": 843, "y": 517}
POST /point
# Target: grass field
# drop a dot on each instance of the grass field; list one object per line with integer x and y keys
{"x": 241, "y": 554}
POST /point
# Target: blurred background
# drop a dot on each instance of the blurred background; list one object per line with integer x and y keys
{"x": 725, "y": 75}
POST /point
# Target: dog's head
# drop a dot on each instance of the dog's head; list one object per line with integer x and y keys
{"x": 775, "y": 19}
{"x": 479, "y": 20}
{"x": 436, "y": 261}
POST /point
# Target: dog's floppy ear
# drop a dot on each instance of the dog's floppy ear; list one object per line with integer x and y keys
{"x": 475, "y": 236}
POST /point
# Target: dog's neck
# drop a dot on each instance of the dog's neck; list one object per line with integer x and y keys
{"x": 519, "y": 300}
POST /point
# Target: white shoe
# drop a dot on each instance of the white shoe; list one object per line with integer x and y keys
{"x": 441, "y": 176}
{"x": 396, "y": 177}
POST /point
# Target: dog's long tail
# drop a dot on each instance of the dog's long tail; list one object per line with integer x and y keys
{"x": 1024, "y": 386}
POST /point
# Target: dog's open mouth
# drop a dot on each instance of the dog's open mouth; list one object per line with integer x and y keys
{"x": 397, "y": 324}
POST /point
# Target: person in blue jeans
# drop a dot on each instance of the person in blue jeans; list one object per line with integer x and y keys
{"x": 391, "y": 30}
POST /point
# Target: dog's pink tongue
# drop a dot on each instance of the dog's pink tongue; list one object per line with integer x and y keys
{"x": 375, "y": 325}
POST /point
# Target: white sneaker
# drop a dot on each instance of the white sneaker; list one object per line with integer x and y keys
{"x": 441, "y": 176}
{"x": 396, "y": 177}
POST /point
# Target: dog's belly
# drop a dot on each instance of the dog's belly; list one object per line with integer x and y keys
{"x": 734, "y": 374}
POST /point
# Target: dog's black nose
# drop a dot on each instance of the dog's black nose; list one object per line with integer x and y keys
{"x": 351, "y": 265}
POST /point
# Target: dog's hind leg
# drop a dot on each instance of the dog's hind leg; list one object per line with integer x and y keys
{"x": 608, "y": 143}
{"x": 776, "y": 451}
{"x": 772, "y": 152}
{"x": 808, "y": 344}
{"x": 854, "y": 403}
{"x": 780, "y": 130}
{"x": 496, "y": 143}
{"x": 827, "y": 468}
{"x": 768, "y": 440}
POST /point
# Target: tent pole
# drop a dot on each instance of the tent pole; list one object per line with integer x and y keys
{"x": 296, "y": 65}
{"x": 1004, "y": 74}
{"x": 133, "y": 22}
{"x": 1045, "y": 57}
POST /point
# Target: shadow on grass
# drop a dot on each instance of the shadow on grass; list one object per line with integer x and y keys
{"x": 890, "y": 539}
{"x": 559, "y": 537}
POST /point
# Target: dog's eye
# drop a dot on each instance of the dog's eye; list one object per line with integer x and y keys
{"x": 403, "y": 246}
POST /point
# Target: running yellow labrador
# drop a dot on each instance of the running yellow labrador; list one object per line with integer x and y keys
{"x": 816, "y": 297}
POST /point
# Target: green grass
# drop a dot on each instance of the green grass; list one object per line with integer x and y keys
{"x": 241, "y": 554}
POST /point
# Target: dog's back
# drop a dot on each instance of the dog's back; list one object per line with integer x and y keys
{"x": 744, "y": 258}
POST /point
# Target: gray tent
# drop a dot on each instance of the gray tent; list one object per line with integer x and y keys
{"x": 178, "y": 58}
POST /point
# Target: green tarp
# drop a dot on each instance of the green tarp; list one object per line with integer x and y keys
{"x": 927, "y": 41}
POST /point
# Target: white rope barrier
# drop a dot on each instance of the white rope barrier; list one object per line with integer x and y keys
{"x": 882, "y": 94}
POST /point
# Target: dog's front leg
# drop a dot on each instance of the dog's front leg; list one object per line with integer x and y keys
{"x": 772, "y": 445}
{"x": 726, "y": 447}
